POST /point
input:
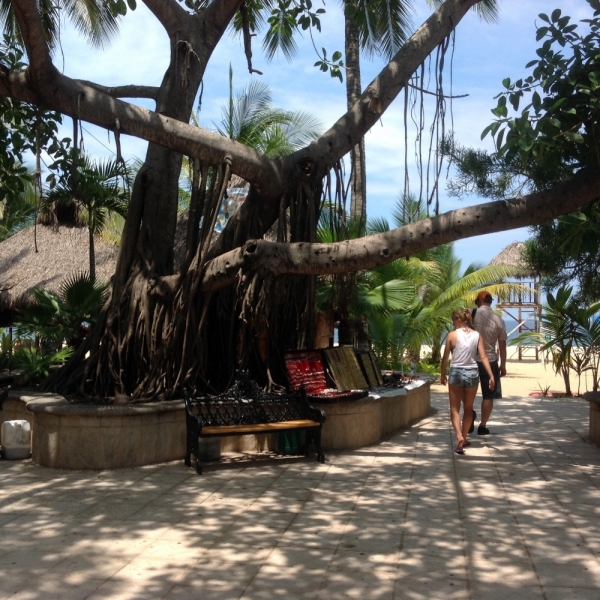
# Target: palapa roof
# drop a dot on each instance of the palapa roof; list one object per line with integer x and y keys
{"x": 62, "y": 251}
{"x": 512, "y": 256}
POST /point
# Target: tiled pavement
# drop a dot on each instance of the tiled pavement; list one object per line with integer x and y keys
{"x": 515, "y": 518}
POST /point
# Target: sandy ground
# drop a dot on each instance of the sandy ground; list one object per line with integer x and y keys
{"x": 527, "y": 376}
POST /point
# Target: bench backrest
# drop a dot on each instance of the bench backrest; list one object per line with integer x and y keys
{"x": 250, "y": 406}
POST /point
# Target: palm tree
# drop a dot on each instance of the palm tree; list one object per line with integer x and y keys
{"x": 377, "y": 28}
{"x": 251, "y": 119}
{"x": 440, "y": 285}
{"x": 17, "y": 212}
{"x": 89, "y": 195}
{"x": 355, "y": 298}
{"x": 570, "y": 333}
{"x": 66, "y": 315}
{"x": 93, "y": 18}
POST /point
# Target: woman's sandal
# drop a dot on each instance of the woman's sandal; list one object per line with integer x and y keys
{"x": 458, "y": 450}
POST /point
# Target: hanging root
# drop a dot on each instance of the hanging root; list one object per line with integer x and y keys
{"x": 247, "y": 38}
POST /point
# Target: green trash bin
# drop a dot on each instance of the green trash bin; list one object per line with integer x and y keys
{"x": 290, "y": 443}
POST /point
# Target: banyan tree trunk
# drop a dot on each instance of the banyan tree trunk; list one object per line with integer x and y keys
{"x": 159, "y": 333}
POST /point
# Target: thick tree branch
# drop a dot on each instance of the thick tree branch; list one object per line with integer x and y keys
{"x": 76, "y": 99}
{"x": 384, "y": 89}
{"x": 34, "y": 38}
{"x": 80, "y": 101}
{"x": 169, "y": 13}
{"x": 380, "y": 249}
{"x": 125, "y": 91}
{"x": 42, "y": 84}
{"x": 219, "y": 13}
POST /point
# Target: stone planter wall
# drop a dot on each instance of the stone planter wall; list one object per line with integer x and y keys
{"x": 72, "y": 436}
{"x": 359, "y": 423}
{"x": 78, "y": 436}
{"x": 14, "y": 409}
{"x": 594, "y": 399}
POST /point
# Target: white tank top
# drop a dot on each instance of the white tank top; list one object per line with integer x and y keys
{"x": 464, "y": 354}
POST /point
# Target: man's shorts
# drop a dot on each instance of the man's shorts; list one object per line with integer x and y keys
{"x": 460, "y": 377}
{"x": 488, "y": 394}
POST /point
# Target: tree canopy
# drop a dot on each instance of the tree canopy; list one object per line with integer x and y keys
{"x": 546, "y": 130}
{"x": 244, "y": 298}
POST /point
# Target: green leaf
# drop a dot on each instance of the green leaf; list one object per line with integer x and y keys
{"x": 336, "y": 56}
{"x": 506, "y": 82}
{"x": 500, "y": 139}
{"x": 555, "y": 16}
{"x": 562, "y": 23}
{"x": 526, "y": 143}
{"x": 488, "y": 129}
{"x": 132, "y": 4}
{"x": 541, "y": 32}
{"x": 574, "y": 137}
{"x": 554, "y": 122}
{"x": 595, "y": 79}
{"x": 514, "y": 100}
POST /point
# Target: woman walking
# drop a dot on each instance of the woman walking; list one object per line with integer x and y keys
{"x": 464, "y": 343}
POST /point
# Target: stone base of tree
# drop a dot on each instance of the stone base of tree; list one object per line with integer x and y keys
{"x": 594, "y": 399}
{"x": 357, "y": 423}
{"x": 83, "y": 436}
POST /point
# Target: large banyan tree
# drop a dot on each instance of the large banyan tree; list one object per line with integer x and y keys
{"x": 241, "y": 300}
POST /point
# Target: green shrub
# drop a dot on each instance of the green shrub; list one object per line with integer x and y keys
{"x": 35, "y": 364}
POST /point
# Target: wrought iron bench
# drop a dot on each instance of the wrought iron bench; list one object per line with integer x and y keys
{"x": 246, "y": 409}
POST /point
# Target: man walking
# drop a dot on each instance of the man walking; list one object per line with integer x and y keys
{"x": 492, "y": 330}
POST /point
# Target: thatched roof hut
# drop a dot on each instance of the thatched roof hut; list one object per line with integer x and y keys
{"x": 513, "y": 256}
{"x": 62, "y": 251}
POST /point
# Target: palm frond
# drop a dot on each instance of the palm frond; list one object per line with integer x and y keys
{"x": 384, "y": 25}
{"x": 393, "y": 296}
{"x": 94, "y": 20}
{"x": 377, "y": 225}
{"x": 488, "y": 10}
{"x": 280, "y": 36}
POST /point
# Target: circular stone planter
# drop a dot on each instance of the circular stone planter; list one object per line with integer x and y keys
{"x": 353, "y": 424}
{"x": 84, "y": 436}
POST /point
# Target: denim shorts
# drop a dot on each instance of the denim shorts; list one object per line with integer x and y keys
{"x": 463, "y": 377}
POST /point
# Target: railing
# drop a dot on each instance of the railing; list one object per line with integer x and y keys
{"x": 523, "y": 296}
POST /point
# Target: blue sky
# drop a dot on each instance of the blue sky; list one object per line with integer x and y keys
{"x": 484, "y": 55}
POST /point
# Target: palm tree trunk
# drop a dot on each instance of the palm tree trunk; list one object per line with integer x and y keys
{"x": 358, "y": 199}
{"x": 92, "y": 254}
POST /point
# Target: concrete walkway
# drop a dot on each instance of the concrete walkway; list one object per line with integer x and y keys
{"x": 516, "y": 517}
